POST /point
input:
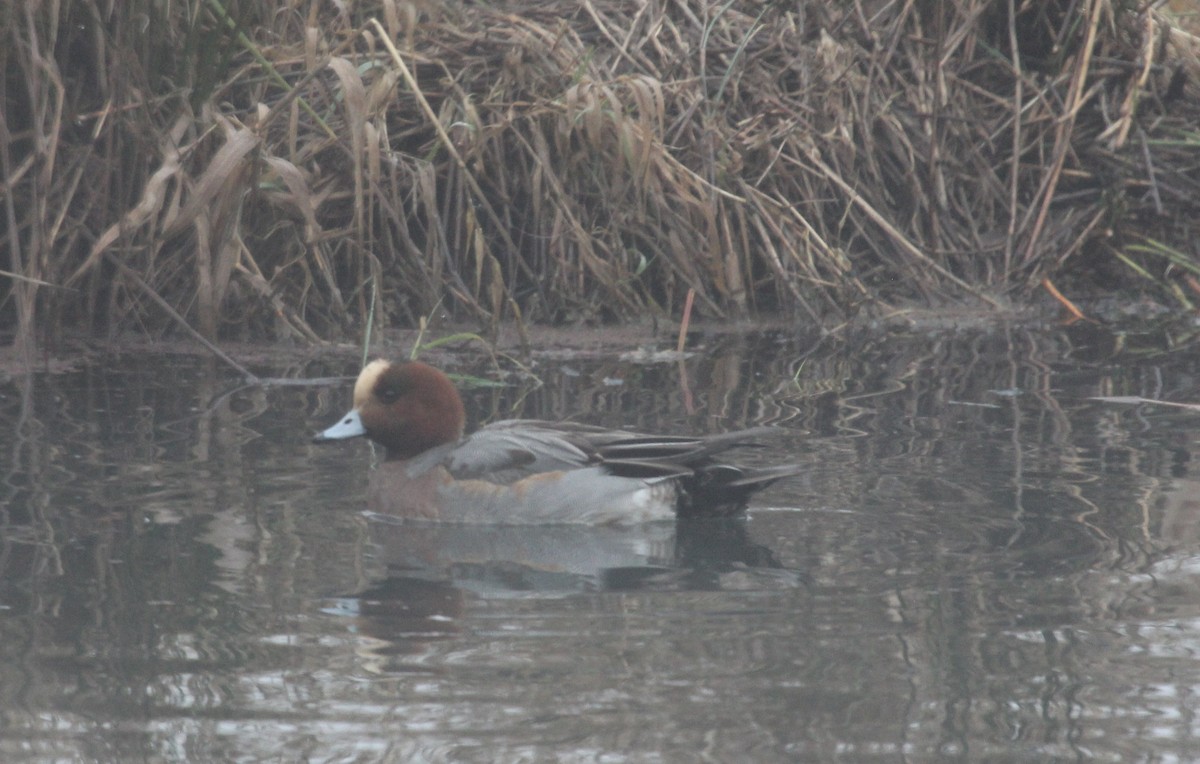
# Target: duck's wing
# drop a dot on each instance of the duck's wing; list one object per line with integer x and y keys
{"x": 640, "y": 452}
{"x": 510, "y": 450}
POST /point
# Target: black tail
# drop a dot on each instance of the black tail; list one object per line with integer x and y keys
{"x": 721, "y": 490}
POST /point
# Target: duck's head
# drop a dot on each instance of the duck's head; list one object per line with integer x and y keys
{"x": 408, "y": 408}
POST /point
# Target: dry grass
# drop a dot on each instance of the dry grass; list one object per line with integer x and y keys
{"x": 276, "y": 168}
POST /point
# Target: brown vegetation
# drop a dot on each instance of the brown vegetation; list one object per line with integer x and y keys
{"x": 286, "y": 169}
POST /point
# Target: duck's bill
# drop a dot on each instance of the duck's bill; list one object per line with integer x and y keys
{"x": 350, "y": 426}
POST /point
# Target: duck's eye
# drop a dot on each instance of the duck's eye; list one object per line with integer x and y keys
{"x": 387, "y": 393}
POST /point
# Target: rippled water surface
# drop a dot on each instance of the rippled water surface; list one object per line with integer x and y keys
{"x": 980, "y": 562}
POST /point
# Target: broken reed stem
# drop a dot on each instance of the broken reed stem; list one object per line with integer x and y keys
{"x": 687, "y": 319}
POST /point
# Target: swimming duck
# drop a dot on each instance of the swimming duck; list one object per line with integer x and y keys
{"x": 525, "y": 471}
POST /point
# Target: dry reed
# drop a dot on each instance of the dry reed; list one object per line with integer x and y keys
{"x": 270, "y": 168}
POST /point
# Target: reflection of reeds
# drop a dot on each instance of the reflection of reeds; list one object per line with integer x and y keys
{"x": 593, "y": 162}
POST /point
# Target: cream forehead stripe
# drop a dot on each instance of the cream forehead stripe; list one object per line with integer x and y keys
{"x": 366, "y": 381}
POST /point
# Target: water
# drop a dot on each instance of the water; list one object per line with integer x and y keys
{"x": 980, "y": 563}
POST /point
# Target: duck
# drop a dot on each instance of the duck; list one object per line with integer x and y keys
{"x": 529, "y": 471}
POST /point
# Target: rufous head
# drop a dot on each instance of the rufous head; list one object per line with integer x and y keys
{"x": 408, "y": 408}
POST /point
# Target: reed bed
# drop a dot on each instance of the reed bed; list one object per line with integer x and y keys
{"x": 267, "y": 169}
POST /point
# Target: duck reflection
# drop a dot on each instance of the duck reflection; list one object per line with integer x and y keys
{"x": 434, "y": 571}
